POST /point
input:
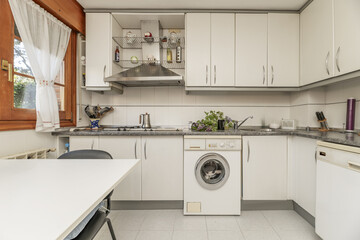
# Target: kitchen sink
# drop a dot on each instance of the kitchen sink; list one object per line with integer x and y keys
{"x": 257, "y": 129}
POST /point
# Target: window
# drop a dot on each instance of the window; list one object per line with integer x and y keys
{"x": 17, "y": 94}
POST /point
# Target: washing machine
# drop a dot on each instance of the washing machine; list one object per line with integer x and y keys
{"x": 212, "y": 175}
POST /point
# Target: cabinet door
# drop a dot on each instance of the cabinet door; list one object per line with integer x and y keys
{"x": 162, "y": 168}
{"x": 251, "y": 50}
{"x": 304, "y": 159}
{"x": 125, "y": 148}
{"x": 98, "y": 47}
{"x": 283, "y": 50}
{"x": 347, "y": 36}
{"x": 197, "y": 49}
{"x": 222, "y": 50}
{"x": 83, "y": 142}
{"x": 265, "y": 168}
{"x": 316, "y": 39}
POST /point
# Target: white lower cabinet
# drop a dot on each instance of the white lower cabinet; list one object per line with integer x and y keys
{"x": 125, "y": 148}
{"x": 162, "y": 168}
{"x": 265, "y": 167}
{"x": 160, "y": 174}
{"x": 303, "y": 157}
{"x": 83, "y": 142}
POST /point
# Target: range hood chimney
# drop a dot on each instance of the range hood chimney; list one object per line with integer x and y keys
{"x": 151, "y": 73}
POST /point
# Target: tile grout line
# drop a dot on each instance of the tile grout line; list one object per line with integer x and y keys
{"x": 241, "y": 232}
{"x": 271, "y": 225}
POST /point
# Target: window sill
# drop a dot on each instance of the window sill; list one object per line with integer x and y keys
{"x": 26, "y": 125}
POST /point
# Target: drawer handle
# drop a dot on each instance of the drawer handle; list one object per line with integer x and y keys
{"x": 322, "y": 154}
{"x": 195, "y": 147}
{"x": 354, "y": 165}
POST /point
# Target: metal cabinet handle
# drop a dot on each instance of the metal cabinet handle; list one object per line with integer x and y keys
{"x": 92, "y": 144}
{"x": 327, "y": 63}
{"x": 207, "y": 73}
{"x": 263, "y": 74}
{"x": 272, "y": 74}
{"x": 104, "y": 70}
{"x": 215, "y": 74}
{"x": 315, "y": 156}
{"x": 10, "y": 72}
{"x": 248, "y": 146}
{"x": 135, "y": 153}
{"x": 145, "y": 150}
{"x": 337, "y": 59}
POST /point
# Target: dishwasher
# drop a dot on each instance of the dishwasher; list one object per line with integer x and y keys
{"x": 337, "y": 192}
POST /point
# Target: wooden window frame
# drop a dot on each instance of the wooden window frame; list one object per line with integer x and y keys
{"x": 19, "y": 119}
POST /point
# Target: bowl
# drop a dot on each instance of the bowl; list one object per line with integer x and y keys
{"x": 274, "y": 126}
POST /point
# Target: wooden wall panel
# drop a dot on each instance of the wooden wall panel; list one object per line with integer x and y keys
{"x": 69, "y": 12}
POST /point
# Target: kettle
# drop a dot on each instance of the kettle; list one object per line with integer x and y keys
{"x": 144, "y": 120}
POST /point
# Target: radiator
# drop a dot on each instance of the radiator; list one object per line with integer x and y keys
{"x": 36, "y": 154}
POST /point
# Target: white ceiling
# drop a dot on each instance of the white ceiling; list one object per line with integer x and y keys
{"x": 196, "y": 4}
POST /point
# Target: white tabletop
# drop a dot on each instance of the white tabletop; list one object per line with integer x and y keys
{"x": 47, "y": 199}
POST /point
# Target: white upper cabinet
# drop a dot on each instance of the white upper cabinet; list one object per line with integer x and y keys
{"x": 347, "y": 36}
{"x": 222, "y": 50}
{"x": 251, "y": 50}
{"x": 283, "y": 50}
{"x": 210, "y": 46}
{"x": 197, "y": 49}
{"x": 316, "y": 39}
{"x": 98, "y": 49}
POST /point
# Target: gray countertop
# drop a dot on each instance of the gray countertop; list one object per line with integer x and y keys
{"x": 351, "y": 139}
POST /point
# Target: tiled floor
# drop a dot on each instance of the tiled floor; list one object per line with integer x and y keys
{"x": 172, "y": 225}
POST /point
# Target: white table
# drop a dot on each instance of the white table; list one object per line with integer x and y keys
{"x": 47, "y": 199}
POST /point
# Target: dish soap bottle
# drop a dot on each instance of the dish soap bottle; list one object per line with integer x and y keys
{"x": 169, "y": 55}
{"x": 117, "y": 54}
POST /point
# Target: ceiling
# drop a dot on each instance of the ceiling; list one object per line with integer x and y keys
{"x": 195, "y": 4}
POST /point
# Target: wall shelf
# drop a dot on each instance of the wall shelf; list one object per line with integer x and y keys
{"x": 129, "y": 64}
{"x": 137, "y": 42}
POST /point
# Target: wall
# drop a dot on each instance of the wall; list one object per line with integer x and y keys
{"x": 13, "y": 142}
{"x": 331, "y": 100}
{"x": 171, "y": 106}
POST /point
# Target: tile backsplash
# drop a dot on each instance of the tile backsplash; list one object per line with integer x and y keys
{"x": 172, "y": 106}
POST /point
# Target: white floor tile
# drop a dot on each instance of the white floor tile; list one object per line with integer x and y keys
{"x": 261, "y": 235}
{"x": 190, "y": 223}
{"x": 225, "y": 235}
{"x": 221, "y": 223}
{"x": 286, "y": 220}
{"x": 189, "y": 235}
{"x": 120, "y": 235}
{"x": 253, "y": 220}
{"x": 298, "y": 235}
{"x": 128, "y": 220}
{"x": 159, "y": 220}
{"x": 154, "y": 235}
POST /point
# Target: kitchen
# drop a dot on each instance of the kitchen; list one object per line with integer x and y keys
{"x": 248, "y": 123}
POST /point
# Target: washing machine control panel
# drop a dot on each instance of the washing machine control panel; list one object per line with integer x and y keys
{"x": 223, "y": 144}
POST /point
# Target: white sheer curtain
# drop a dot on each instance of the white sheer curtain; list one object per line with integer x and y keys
{"x": 45, "y": 39}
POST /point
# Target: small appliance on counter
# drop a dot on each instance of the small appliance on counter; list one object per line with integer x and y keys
{"x": 288, "y": 124}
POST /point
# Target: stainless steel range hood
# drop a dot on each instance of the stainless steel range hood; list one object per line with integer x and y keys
{"x": 152, "y": 73}
{"x": 147, "y": 75}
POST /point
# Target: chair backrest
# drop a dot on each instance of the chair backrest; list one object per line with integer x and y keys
{"x": 86, "y": 154}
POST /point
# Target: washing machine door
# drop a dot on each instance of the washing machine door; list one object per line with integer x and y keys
{"x": 212, "y": 171}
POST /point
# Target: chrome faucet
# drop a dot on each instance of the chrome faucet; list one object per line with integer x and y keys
{"x": 237, "y": 125}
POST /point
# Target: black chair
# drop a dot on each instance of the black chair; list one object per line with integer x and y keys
{"x": 100, "y": 216}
